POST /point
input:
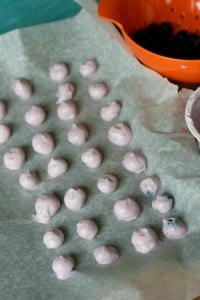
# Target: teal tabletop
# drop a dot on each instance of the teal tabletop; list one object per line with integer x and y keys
{"x": 22, "y": 13}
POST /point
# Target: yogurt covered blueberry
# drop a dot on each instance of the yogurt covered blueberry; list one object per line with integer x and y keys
{"x": 22, "y": 88}
{"x": 173, "y": 228}
{"x": 78, "y": 134}
{"x": 110, "y": 111}
{"x": 135, "y": 162}
{"x": 144, "y": 240}
{"x": 120, "y": 134}
{"x": 98, "y": 91}
{"x": 88, "y": 68}
{"x": 14, "y": 158}
{"x": 63, "y": 266}
{"x": 107, "y": 183}
{"x": 105, "y": 255}
{"x": 58, "y": 71}
{"x": 126, "y": 209}
{"x": 35, "y": 115}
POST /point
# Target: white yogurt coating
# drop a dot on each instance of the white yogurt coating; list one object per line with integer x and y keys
{"x": 46, "y": 206}
{"x": 173, "y": 228}
{"x": 63, "y": 266}
{"x": 150, "y": 185}
{"x": 107, "y": 183}
{"x": 74, "y": 198}
{"x": 98, "y": 91}
{"x": 134, "y": 162}
{"x": 88, "y": 68}
{"x": 120, "y": 134}
{"x": 58, "y": 71}
{"x": 92, "y": 158}
{"x": 87, "y": 229}
{"x": 2, "y": 110}
{"x": 53, "y": 238}
{"x": 29, "y": 180}
{"x": 126, "y": 209}
{"x": 22, "y": 88}
{"x": 14, "y": 158}
{"x": 67, "y": 110}
{"x": 110, "y": 111}
{"x": 5, "y": 133}
{"x": 57, "y": 167}
{"x": 65, "y": 92}
{"x": 43, "y": 143}
{"x": 144, "y": 240}
{"x": 35, "y": 115}
{"x": 105, "y": 255}
{"x": 78, "y": 134}
{"x": 163, "y": 203}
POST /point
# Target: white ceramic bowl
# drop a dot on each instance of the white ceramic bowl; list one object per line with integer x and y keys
{"x": 192, "y": 115}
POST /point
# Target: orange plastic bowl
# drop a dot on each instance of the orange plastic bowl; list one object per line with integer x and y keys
{"x": 131, "y": 15}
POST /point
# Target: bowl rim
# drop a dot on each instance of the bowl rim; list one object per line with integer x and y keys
{"x": 188, "y": 111}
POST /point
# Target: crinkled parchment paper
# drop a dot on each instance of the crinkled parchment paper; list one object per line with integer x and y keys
{"x": 155, "y": 111}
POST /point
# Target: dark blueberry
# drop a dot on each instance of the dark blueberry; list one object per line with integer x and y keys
{"x": 153, "y": 29}
{"x": 193, "y": 38}
{"x": 139, "y": 34}
{"x": 196, "y": 43}
{"x": 186, "y": 51}
{"x": 143, "y": 38}
{"x": 166, "y": 28}
{"x": 181, "y": 36}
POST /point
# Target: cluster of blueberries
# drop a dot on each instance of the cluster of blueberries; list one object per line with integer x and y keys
{"x": 160, "y": 39}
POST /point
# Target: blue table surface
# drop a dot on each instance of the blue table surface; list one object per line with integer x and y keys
{"x": 21, "y": 13}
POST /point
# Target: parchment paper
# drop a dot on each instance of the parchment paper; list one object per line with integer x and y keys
{"x": 155, "y": 111}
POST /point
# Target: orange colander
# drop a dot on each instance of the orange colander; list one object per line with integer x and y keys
{"x": 131, "y": 15}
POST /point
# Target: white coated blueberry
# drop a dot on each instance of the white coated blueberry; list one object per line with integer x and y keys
{"x": 58, "y": 71}
{"x": 150, "y": 185}
{"x": 2, "y": 110}
{"x": 88, "y": 68}
{"x": 126, "y": 209}
{"x": 22, "y": 88}
{"x": 78, "y": 134}
{"x": 29, "y": 180}
{"x": 144, "y": 240}
{"x": 92, "y": 158}
{"x": 163, "y": 203}
{"x": 63, "y": 266}
{"x": 173, "y": 228}
{"x": 87, "y": 229}
{"x": 43, "y": 143}
{"x": 53, "y": 238}
{"x": 135, "y": 162}
{"x": 46, "y": 206}
{"x": 105, "y": 255}
{"x": 5, "y": 133}
{"x": 57, "y": 167}
{"x": 67, "y": 110}
{"x": 65, "y": 92}
{"x": 98, "y": 91}
{"x": 75, "y": 198}
{"x": 110, "y": 111}
{"x": 107, "y": 183}
{"x": 14, "y": 158}
{"x": 35, "y": 115}
{"x": 120, "y": 134}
